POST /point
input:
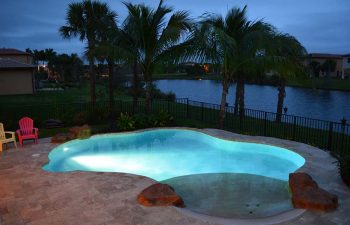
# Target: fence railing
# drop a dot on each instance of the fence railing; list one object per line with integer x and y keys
{"x": 326, "y": 135}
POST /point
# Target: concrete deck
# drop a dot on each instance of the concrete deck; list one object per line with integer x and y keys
{"x": 30, "y": 195}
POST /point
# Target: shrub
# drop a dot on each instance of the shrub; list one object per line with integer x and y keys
{"x": 161, "y": 119}
{"x": 141, "y": 121}
{"x": 125, "y": 122}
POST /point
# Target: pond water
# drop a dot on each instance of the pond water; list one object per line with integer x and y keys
{"x": 318, "y": 104}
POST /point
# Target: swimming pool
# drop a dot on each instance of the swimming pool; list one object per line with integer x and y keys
{"x": 166, "y": 153}
{"x": 215, "y": 177}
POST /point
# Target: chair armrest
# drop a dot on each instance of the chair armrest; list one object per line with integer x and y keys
{"x": 35, "y": 130}
{"x": 19, "y": 132}
{"x": 13, "y": 134}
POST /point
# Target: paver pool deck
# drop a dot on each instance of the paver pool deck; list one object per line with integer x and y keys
{"x": 30, "y": 195}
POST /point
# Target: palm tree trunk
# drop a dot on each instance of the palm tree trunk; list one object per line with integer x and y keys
{"x": 225, "y": 86}
{"x": 92, "y": 83}
{"x": 236, "y": 99}
{"x": 241, "y": 97}
{"x": 280, "y": 102}
{"x": 148, "y": 83}
{"x": 135, "y": 87}
{"x": 110, "y": 83}
{"x": 148, "y": 96}
{"x": 239, "y": 100}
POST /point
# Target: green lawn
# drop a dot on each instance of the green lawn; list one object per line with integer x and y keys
{"x": 70, "y": 95}
{"x": 322, "y": 83}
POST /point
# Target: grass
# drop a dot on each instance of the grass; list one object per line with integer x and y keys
{"x": 321, "y": 83}
{"x": 71, "y": 95}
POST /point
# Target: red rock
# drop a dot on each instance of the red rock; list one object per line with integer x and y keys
{"x": 81, "y": 132}
{"x": 160, "y": 195}
{"x": 307, "y": 195}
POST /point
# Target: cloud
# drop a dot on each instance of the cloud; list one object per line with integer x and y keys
{"x": 321, "y": 26}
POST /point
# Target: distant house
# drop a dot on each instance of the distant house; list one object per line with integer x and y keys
{"x": 322, "y": 58}
{"x": 16, "y": 72}
{"x": 346, "y": 65}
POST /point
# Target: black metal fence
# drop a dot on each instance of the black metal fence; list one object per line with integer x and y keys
{"x": 326, "y": 135}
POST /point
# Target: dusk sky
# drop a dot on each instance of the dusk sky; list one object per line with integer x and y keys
{"x": 320, "y": 25}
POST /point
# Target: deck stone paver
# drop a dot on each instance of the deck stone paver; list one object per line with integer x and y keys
{"x": 32, "y": 196}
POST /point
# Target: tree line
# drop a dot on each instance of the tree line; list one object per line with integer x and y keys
{"x": 241, "y": 48}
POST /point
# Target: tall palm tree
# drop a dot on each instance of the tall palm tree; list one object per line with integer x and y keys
{"x": 88, "y": 20}
{"x": 236, "y": 41}
{"x": 131, "y": 43}
{"x": 158, "y": 36}
{"x": 284, "y": 57}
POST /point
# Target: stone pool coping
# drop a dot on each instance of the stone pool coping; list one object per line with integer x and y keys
{"x": 29, "y": 195}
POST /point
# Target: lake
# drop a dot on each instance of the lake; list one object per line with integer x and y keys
{"x": 318, "y": 104}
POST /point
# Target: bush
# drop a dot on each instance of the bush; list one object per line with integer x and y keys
{"x": 126, "y": 122}
{"x": 161, "y": 119}
{"x": 141, "y": 121}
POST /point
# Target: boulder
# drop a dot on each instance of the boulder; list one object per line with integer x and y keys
{"x": 81, "y": 131}
{"x": 160, "y": 195}
{"x": 62, "y": 137}
{"x": 307, "y": 195}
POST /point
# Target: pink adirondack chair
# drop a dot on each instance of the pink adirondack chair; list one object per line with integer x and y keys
{"x": 27, "y": 130}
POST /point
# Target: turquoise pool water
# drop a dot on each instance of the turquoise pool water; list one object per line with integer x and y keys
{"x": 167, "y": 153}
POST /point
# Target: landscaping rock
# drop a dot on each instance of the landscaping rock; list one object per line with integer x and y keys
{"x": 81, "y": 131}
{"x": 62, "y": 137}
{"x": 307, "y": 195}
{"x": 160, "y": 195}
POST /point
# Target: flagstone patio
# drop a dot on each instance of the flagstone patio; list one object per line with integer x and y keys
{"x": 30, "y": 195}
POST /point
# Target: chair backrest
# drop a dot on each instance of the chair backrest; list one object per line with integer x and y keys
{"x": 2, "y": 132}
{"x": 26, "y": 125}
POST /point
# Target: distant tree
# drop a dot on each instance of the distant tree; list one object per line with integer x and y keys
{"x": 315, "y": 68}
{"x": 67, "y": 67}
{"x": 88, "y": 20}
{"x": 328, "y": 67}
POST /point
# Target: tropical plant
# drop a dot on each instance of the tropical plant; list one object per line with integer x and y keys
{"x": 157, "y": 36}
{"x": 126, "y": 122}
{"x": 161, "y": 119}
{"x": 88, "y": 20}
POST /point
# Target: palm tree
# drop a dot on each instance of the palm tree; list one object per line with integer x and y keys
{"x": 236, "y": 41}
{"x": 130, "y": 42}
{"x": 157, "y": 35}
{"x": 88, "y": 20}
{"x": 284, "y": 57}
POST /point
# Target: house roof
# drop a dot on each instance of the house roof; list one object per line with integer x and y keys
{"x": 12, "y": 51}
{"x": 13, "y": 64}
{"x": 325, "y": 56}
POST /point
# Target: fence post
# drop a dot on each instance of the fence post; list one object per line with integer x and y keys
{"x": 241, "y": 121}
{"x": 168, "y": 106}
{"x": 187, "y": 109}
{"x": 294, "y": 127}
{"x": 202, "y": 111}
{"x": 330, "y": 136}
{"x": 265, "y": 123}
